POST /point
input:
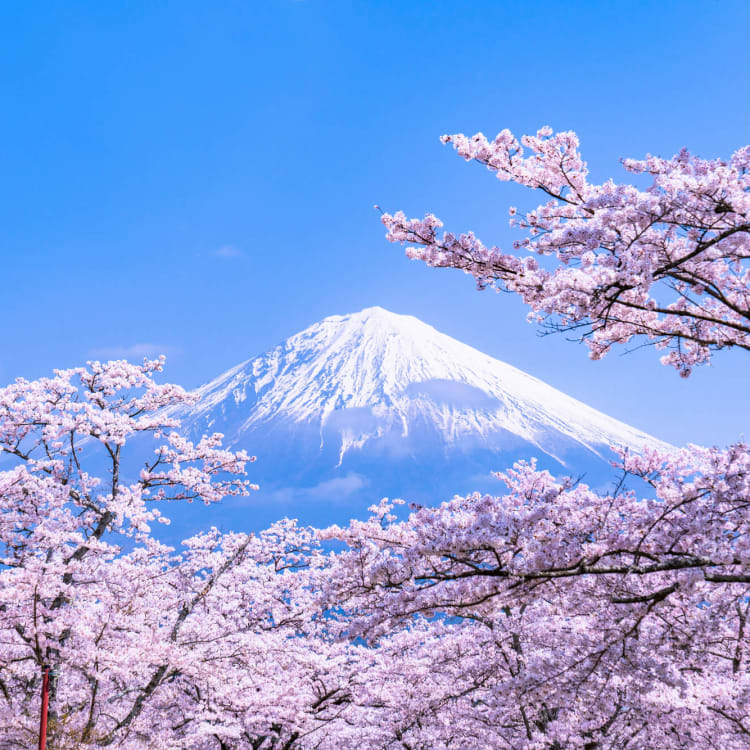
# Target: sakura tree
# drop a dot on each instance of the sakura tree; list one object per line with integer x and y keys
{"x": 666, "y": 263}
{"x": 605, "y": 621}
{"x": 589, "y": 621}
{"x": 213, "y": 646}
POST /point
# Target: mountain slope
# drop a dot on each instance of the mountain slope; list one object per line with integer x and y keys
{"x": 377, "y": 403}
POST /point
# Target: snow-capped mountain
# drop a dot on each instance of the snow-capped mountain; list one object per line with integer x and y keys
{"x": 372, "y": 403}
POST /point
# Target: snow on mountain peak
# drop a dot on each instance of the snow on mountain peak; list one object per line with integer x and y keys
{"x": 376, "y": 377}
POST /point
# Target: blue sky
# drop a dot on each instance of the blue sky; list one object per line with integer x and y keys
{"x": 199, "y": 177}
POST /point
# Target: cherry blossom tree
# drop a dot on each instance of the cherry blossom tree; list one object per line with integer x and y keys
{"x": 604, "y": 621}
{"x": 589, "y": 621}
{"x": 213, "y": 646}
{"x": 666, "y": 263}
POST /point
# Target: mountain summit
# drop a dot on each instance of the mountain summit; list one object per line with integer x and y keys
{"x": 377, "y": 403}
{"x": 358, "y": 380}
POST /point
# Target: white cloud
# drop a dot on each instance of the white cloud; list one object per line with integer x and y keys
{"x": 134, "y": 352}
{"x": 337, "y": 489}
{"x": 228, "y": 251}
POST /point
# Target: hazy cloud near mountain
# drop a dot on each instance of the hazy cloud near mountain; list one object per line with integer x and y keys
{"x": 335, "y": 490}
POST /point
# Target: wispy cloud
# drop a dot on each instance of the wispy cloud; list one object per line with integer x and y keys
{"x": 134, "y": 352}
{"x": 228, "y": 251}
{"x": 338, "y": 486}
{"x": 337, "y": 489}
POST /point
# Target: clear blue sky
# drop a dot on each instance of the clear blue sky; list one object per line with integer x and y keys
{"x": 199, "y": 177}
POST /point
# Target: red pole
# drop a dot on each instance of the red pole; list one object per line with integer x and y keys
{"x": 45, "y": 706}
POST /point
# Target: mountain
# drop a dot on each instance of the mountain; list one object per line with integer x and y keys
{"x": 374, "y": 403}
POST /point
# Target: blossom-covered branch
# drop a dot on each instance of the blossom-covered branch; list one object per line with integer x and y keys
{"x": 667, "y": 262}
